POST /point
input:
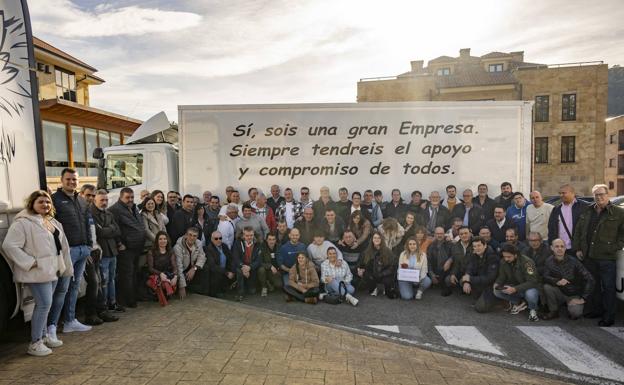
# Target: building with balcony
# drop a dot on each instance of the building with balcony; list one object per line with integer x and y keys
{"x": 72, "y": 129}
{"x": 614, "y": 155}
{"x": 569, "y": 112}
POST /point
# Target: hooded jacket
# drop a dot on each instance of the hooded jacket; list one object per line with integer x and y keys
{"x": 29, "y": 241}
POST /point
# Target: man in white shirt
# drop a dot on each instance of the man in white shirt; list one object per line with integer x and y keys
{"x": 537, "y": 215}
{"x": 227, "y": 224}
{"x": 317, "y": 250}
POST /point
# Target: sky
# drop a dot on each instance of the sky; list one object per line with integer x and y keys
{"x": 156, "y": 55}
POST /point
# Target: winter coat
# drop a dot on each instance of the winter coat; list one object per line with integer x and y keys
{"x": 555, "y": 217}
{"x": 482, "y": 270}
{"x": 307, "y": 276}
{"x": 422, "y": 265}
{"x": 74, "y": 215}
{"x": 213, "y": 258}
{"x": 521, "y": 274}
{"x": 153, "y": 224}
{"x": 131, "y": 225}
{"x": 607, "y": 237}
{"x": 238, "y": 256}
{"x": 185, "y": 257}
{"x": 581, "y": 283}
{"x": 28, "y": 241}
{"x": 106, "y": 230}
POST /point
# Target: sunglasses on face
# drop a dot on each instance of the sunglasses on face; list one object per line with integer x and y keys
{"x": 217, "y": 239}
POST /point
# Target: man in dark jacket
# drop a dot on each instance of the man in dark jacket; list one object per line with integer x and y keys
{"x": 275, "y": 200}
{"x": 132, "y": 242}
{"x": 332, "y": 226}
{"x": 518, "y": 282}
{"x": 538, "y": 251}
{"x": 598, "y": 236}
{"x": 172, "y": 206}
{"x": 460, "y": 252}
{"x": 499, "y": 224}
{"x": 107, "y": 233}
{"x": 307, "y": 226}
{"x": 182, "y": 219}
{"x": 219, "y": 262}
{"x": 471, "y": 215}
{"x": 439, "y": 259}
{"x": 564, "y": 217}
{"x": 395, "y": 208}
{"x": 484, "y": 201}
{"x": 74, "y": 215}
{"x": 505, "y": 198}
{"x": 436, "y": 215}
{"x": 480, "y": 273}
{"x": 246, "y": 261}
{"x": 567, "y": 281}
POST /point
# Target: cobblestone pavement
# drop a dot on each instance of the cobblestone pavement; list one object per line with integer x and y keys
{"x": 205, "y": 341}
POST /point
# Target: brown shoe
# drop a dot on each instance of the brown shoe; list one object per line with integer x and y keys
{"x": 311, "y": 300}
{"x": 550, "y": 315}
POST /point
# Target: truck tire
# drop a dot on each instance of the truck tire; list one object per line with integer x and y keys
{"x": 7, "y": 296}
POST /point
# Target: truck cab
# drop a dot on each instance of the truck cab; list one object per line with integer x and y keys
{"x": 148, "y": 160}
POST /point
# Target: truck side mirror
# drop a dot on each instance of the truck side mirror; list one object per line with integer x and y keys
{"x": 98, "y": 153}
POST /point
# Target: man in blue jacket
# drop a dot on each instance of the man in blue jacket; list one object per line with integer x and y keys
{"x": 516, "y": 213}
{"x": 287, "y": 256}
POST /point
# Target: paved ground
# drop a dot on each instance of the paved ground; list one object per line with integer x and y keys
{"x": 577, "y": 351}
{"x": 206, "y": 341}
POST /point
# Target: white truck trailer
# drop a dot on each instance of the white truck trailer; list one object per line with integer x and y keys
{"x": 411, "y": 146}
{"x": 21, "y": 148}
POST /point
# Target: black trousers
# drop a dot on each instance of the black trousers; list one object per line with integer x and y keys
{"x": 94, "y": 289}
{"x": 200, "y": 283}
{"x": 218, "y": 283}
{"x": 126, "y": 276}
{"x": 369, "y": 282}
{"x": 313, "y": 292}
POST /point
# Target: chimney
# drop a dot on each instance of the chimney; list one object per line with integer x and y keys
{"x": 517, "y": 56}
{"x": 464, "y": 53}
{"x": 417, "y": 65}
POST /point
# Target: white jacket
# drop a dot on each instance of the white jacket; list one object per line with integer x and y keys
{"x": 27, "y": 241}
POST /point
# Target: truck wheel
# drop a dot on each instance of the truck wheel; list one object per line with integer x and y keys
{"x": 7, "y": 296}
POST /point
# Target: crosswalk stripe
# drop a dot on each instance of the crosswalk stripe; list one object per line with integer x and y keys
{"x": 572, "y": 352}
{"x": 468, "y": 337}
{"x": 387, "y": 328}
{"x": 616, "y": 331}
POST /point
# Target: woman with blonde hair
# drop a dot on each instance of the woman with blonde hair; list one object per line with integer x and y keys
{"x": 38, "y": 252}
{"x": 414, "y": 257}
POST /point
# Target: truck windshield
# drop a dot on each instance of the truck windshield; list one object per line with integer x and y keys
{"x": 123, "y": 170}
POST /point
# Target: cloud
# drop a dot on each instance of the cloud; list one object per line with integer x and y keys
{"x": 156, "y": 54}
{"x": 64, "y": 19}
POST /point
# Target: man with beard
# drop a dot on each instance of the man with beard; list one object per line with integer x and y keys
{"x": 505, "y": 198}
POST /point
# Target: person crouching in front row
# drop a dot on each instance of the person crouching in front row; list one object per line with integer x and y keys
{"x": 303, "y": 282}
{"x": 334, "y": 273}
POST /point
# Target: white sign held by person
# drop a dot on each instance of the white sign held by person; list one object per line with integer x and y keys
{"x": 409, "y": 146}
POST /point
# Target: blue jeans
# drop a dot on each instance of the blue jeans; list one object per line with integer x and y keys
{"x": 42, "y": 293}
{"x": 79, "y": 256}
{"x": 285, "y": 279}
{"x": 58, "y": 300}
{"x": 108, "y": 269}
{"x": 530, "y": 295}
{"x": 333, "y": 287}
{"x": 406, "y": 288}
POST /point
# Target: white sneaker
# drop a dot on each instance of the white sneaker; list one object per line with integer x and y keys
{"x": 516, "y": 309}
{"x": 38, "y": 349}
{"x": 264, "y": 293}
{"x": 51, "y": 340}
{"x": 533, "y": 315}
{"x": 351, "y": 299}
{"x": 75, "y": 326}
{"x": 419, "y": 294}
{"x": 321, "y": 296}
{"x": 374, "y": 293}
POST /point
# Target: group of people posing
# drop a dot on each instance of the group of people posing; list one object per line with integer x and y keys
{"x": 509, "y": 250}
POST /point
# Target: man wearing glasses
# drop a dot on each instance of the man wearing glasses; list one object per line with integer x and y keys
{"x": 218, "y": 259}
{"x": 598, "y": 236}
{"x": 305, "y": 197}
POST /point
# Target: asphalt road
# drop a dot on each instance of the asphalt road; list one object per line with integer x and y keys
{"x": 577, "y": 351}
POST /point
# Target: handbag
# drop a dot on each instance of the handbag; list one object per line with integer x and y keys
{"x": 337, "y": 298}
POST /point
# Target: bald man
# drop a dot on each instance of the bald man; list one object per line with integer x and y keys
{"x": 538, "y": 214}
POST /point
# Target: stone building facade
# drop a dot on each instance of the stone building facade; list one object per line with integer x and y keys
{"x": 569, "y": 112}
{"x": 614, "y": 155}
{"x": 71, "y": 127}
